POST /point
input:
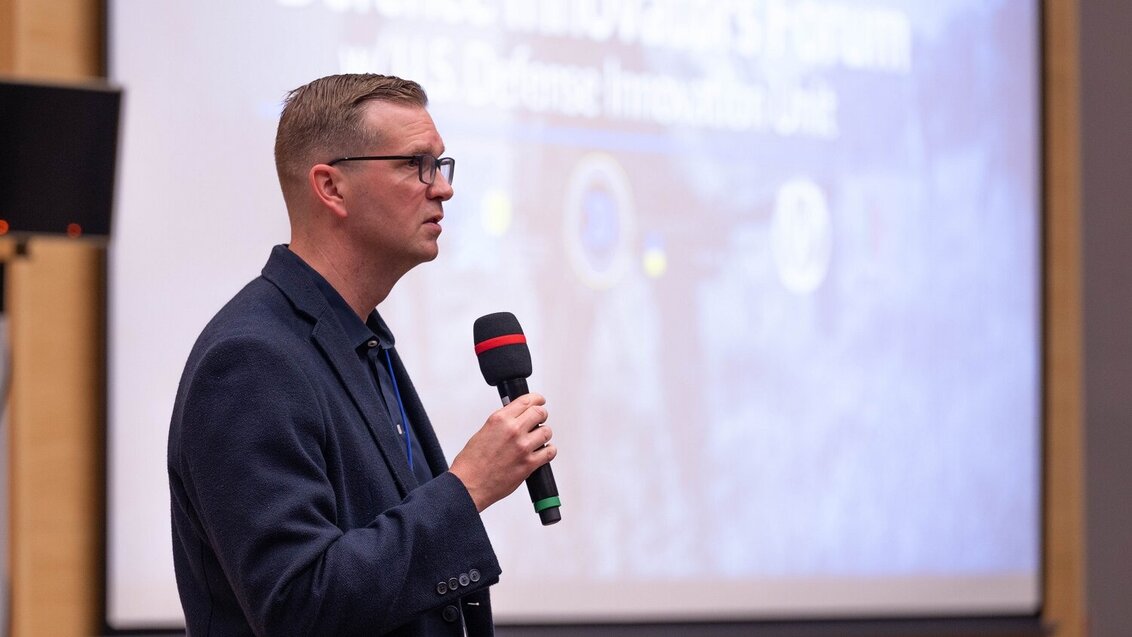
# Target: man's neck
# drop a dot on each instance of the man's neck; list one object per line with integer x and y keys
{"x": 362, "y": 285}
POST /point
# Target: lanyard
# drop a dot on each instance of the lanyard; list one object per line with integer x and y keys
{"x": 401, "y": 406}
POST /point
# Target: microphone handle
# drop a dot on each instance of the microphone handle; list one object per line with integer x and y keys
{"x": 540, "y": 484}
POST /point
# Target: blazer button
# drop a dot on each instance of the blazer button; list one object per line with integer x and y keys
{"x": 474, "y": 575}
{"x": 450, "y": 614}
{"x": 453, "y": 583}
{"x": 441, "y": 588}
{"x": 464, "y": 579}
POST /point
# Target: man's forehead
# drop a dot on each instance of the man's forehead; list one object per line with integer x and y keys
{"x": 405, "y": 126}
{"x": 384, "y": 110}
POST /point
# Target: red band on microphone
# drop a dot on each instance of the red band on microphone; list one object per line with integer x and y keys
{"x": 500, "y": 341}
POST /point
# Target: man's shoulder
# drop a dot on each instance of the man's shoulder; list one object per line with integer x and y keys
{"x": 259, "y": 312}
{"x": 269, "y": 301}
{"x": 270, "y": 320}
{"x": 258, "y": 305}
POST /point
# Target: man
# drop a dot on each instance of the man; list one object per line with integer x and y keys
{"x": 309, "y": 493}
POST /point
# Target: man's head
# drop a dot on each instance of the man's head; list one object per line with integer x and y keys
{"x": 323, "y": 120}
{"x": 357, "y": 160}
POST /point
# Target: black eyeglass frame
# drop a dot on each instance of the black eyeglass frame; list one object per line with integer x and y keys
{"x": 437, "y": 164}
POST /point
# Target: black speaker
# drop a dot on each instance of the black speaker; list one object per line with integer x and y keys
{"x": 58, "y": 158}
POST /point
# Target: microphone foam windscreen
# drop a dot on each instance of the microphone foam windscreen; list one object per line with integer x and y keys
{"x": 501, "y": 348}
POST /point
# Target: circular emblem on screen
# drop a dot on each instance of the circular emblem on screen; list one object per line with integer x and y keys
{"x": 800, "y": 236}
{"x": 599, "y": 221}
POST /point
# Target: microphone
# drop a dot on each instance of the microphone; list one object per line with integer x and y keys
{"x": 505, "y": 363}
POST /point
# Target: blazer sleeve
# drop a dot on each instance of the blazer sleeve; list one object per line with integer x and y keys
{"x": 249, "y": 450}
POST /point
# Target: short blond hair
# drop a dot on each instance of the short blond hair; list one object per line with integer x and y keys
{"x": 322, "y": 120}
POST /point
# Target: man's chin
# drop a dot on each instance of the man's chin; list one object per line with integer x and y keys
{"x": 430, "y": 255}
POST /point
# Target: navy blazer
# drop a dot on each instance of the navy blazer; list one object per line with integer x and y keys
{"x": 294, "y": 508}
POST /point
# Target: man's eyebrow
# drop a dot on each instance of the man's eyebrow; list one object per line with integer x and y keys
{"x": 422, "y": 150}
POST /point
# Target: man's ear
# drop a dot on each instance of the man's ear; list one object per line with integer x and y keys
{"x": 327, "y": 183}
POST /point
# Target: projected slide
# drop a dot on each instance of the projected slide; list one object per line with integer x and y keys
{"x": 777, "y": 262}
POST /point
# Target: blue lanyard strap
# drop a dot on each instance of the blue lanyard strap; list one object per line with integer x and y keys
{"x": 401, "y": 406}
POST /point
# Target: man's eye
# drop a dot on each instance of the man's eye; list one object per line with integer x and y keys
{"x": 415, "y": 161}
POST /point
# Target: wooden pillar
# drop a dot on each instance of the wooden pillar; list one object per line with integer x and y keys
{"x": 54, "y": 297}
{"x": 51, "y": 39}
{"x": 1064, "y": 402}
{"x": 54, "y": 300}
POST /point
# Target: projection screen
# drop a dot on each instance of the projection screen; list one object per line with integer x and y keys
{"x": 778, "y": 263}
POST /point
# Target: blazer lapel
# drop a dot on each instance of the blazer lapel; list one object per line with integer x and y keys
{"x": 286, "y": 273}
{"x": 356, "y": 379}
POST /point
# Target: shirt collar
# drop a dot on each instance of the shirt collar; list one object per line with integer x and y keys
{"x": 359, "y": 333}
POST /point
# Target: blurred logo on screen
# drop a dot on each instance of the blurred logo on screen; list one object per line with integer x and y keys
{"x": 801, "y": 236}
{"x": 599, "y": 221}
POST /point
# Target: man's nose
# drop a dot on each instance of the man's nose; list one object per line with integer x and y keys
{"x": 440, "y": 188}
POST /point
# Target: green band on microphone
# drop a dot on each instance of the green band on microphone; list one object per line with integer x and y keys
{"x": 546, "y": 503}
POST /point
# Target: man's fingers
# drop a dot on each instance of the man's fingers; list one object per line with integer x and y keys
{"x": 523, "y": 403}
{"x": 541, "y": 437}
{"x": 528, "y": 410}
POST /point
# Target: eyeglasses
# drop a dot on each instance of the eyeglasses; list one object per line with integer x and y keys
{"x": 426, "y": 165}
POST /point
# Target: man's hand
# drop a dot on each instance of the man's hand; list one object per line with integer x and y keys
{"x": 508, "y": 448}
